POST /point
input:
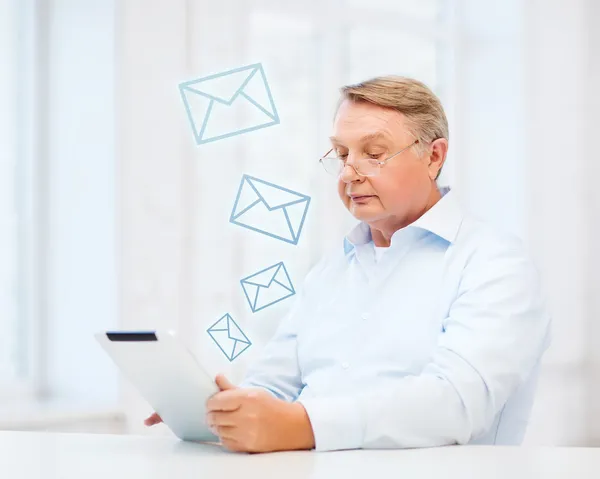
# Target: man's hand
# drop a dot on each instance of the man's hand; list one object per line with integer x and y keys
{"x": 252, "y": 420}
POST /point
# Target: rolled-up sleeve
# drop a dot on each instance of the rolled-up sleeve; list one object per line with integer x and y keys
{"x": 495, "y": 333}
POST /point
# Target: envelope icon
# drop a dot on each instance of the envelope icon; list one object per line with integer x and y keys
{"x": 270, "y": 209}
{"x": 267, "y": 287}
{"x": 229, "y": 337}
{"x": 228, "y": 103}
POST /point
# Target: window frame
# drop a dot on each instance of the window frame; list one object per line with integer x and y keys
{"x": 31, "y": 18}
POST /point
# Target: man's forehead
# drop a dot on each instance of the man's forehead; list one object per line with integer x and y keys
{"x": 350, "y": 110}
{"x": 367, "y": 122}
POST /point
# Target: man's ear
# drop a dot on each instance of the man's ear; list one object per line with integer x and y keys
{"x": 437, "y": 156}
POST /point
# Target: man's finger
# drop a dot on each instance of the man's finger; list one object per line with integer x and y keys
{"x": 232, "y": 445}
{"x": 230, "y": 400}
{"x": 152, "y": 420}
{"x": 225, "y": 432}
{"x": 224, "y": 383}
{"x": 222, "y": 418}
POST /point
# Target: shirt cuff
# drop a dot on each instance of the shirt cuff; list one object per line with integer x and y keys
{"x": 337, "y": 422}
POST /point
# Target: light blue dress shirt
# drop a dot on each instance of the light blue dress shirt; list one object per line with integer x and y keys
{"x": 437, "y": 341}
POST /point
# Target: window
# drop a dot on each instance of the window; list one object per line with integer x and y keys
{"x": 58, "y": 281}
{"x": 17, "y": 234}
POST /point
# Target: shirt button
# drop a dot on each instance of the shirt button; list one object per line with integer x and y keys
{"x": 345, "y": 365}
{"x": 365, "y": 316}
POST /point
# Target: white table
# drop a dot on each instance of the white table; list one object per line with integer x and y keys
{"x": 38, "y": 455}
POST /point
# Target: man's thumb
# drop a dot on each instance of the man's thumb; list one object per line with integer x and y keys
{"x": 224, "y": 383}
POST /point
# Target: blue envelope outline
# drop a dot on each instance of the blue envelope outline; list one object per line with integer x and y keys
{"x": 294, "y": 230}
{"x": 194, "y": 87}
{"x": 228, "y": 336}
{"x": 273, "y": 277}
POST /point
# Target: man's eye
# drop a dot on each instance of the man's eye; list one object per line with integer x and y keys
{"x": 342, "y": 156}
{"x": 374, "y": 156}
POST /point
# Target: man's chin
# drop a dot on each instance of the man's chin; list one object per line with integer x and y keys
{"x": 365, "y": 213}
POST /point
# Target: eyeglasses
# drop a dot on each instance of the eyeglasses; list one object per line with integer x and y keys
{"x": 335, "y": 164}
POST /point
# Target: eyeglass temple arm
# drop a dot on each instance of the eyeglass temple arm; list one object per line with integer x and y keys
{"x": 398, "y": 152}
{"x": 326, "y": 153}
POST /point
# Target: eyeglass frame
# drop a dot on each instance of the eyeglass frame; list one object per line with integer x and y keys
{"x": 379, "y": 163}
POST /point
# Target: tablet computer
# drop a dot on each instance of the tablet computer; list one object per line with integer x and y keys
{"x": 168, "y": 377}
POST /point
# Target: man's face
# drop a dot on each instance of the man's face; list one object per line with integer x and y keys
{"x": 403, "y": 188}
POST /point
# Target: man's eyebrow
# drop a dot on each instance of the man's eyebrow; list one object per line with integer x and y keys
{"x": 379, "y": 135}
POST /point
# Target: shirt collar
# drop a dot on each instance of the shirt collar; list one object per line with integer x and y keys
{"x": 443, "y": 219}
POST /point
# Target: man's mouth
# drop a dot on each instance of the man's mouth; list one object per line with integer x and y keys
{"x": 361, "y": 198}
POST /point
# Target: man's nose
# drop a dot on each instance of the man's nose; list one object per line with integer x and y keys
{"x": 349, "y": 174}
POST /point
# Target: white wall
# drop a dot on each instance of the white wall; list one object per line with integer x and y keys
{"x": 592, "y": 204}
{"x": 153, "y": 175}
{"x": 488, "y": 136}
{"x": 561, "y": 209}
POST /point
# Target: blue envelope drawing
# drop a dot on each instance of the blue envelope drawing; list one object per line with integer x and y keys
{"x": 267, "y": 287}
{"x": 229, "y": 337}
{"x": 270, "y": 209}
{"x": 228, "y": 103}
